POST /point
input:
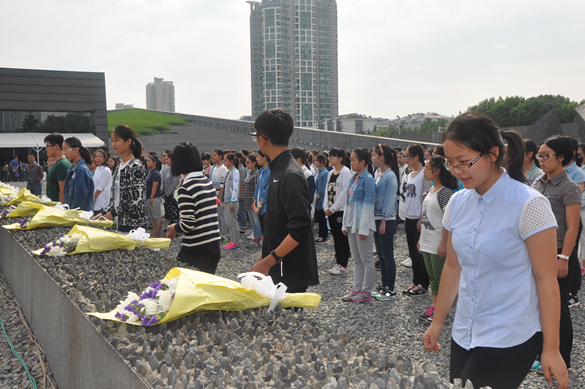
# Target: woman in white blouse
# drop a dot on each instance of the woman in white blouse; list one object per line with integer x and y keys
{"x": 102, "y": 181}
{"x": 501, "y": 259}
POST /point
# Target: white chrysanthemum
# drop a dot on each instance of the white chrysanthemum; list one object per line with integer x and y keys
{"x": 131, "y": 316}
{"x": 150, "y": 306}
{"x": 165, "y": 300}
{"x": 56, "y": 251}
{"x": 172, "y": 284}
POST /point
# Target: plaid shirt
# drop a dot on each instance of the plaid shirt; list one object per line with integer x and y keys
{"x": 250, "y": 187}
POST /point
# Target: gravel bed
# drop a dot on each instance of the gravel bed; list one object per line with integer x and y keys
{"x": 339, "y": 345}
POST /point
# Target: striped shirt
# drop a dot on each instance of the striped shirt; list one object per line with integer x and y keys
{"x": 198, "y": 214}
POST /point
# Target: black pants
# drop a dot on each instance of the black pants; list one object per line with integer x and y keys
{"x": 320, "y": 216}
{"x": 419, "y": 270}
{"x": 566, "y": 325}
{"x": 499, "y": 368}
{"x": 339, "y": 240}
{"x": 576, "y": 275}
{"x": 171, "y": 209}
{"x": 205, "y": 262}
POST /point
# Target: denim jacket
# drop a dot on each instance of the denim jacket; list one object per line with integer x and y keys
{"x": 386, "y": 188}
{"x": 364, "y": 199}
{"x": 321, "y": 185}
{"x": 262, "y": 188}
{"x": 79, "y": 187}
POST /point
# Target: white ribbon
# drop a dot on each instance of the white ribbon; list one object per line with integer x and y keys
{"x": 62, "y": 207}
{"x": 265, "y": 286}
{"x": 139, "y": 234}
{"x": 45, "y": 199}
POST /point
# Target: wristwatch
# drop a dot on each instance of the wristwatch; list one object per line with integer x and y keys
{"x": 278, "y": 259}
{"x": 565, "y": 257}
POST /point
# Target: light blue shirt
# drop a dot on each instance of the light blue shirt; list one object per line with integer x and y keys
{"x": 575, "y": 173}
{"x": 498, "y": 302}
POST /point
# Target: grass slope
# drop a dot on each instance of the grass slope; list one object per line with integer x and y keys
{"x": 144, "y": 122}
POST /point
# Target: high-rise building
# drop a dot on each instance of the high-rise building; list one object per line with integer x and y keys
{"x": 293, "y": 46}
{"x": 160, "y": 95}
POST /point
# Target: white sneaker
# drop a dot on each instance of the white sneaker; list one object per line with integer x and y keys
{"x": 407, "y": 262}
{"x": 338, "y": 270}
{"x": 250, "y": 237}
{"x": 335, "y": 267}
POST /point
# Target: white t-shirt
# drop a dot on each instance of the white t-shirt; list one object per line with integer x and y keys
{"x": 431, "y": 231}
{"x": 416, "y": 188}
{"x": 219, "y": 175}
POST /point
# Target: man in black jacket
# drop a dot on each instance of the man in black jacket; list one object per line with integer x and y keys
{"x": 288, "y": 250}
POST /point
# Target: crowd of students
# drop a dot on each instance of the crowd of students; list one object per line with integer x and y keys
{"x": 488, "y": 215}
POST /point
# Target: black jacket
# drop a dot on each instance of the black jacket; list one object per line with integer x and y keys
{"x": 288, "y": 211}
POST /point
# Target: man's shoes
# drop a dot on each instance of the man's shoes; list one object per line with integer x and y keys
{"x": 320, "y": 240}
{"x": 573, "y": 301}
{"x": 407, "y": 262}
{"x": 385, "y": 294}
{"x": 408, "y": 289}
{"x": 337, "y": 270}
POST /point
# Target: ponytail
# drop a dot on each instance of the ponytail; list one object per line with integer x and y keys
{"x": 124, "y": 132}
{"x": 156, "y": 161}
{"x": 514, "y": 157}
{"x": 445, "y": 176}
{"x": 84, "y": 152}
{"x": 363, "y": 154}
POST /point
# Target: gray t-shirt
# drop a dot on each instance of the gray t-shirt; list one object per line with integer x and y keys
{"x": 533, "y": 174}
{"x": 560, "y": 191}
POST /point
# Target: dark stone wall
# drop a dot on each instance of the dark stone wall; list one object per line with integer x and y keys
{"x": 59, "y": 91}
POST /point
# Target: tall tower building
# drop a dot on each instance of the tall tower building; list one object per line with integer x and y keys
{"x": 294, "y": 59}
{"x": 160, "y": 95}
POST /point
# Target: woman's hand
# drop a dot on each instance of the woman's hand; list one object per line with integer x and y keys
{"x": 344, "y": 232}
{"x": 418, "y": 246}
{"x": 431, "y": 338}
{"x": 328, "y": 213}
{"x": 232, "y": 207}
{"x": 362, "y": 237}
{"x": 382, "y": 228}
{"x": 552, "y": 363}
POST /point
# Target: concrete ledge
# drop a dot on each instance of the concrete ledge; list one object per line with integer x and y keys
{"x": 79, "y": 356}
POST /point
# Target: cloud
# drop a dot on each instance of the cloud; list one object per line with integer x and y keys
{"x": 501, "y": 47}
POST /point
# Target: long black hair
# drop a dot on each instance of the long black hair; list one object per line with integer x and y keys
{"x": 445, "y": 176}
{"x": 84, "y": 152}
{"x": 124, "y": 132}
{"x": 363, "y": 154}
{"x": 416, "y": 150}
{"x": 261, "y": 153}
{"x": 480, "y": 133}
{"x": 390, "y": 158}
{"x": 232, "y": 158}
{"x": 155, "y": 159}
{"x": 253, "y": 159}
{"x": 337, "y": 152}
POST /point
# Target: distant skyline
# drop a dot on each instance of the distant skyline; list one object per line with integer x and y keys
{"x": 395, "y": 58}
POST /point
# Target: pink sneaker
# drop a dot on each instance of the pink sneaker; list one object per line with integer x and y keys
{"x": 228, "y": 246}
{"x": 362, "y": 297}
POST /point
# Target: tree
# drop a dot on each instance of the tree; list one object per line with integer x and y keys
{"x": 30, "y": 123}
{"x": 430, "y": 125}
{"x": 519, "y": 111}
{"x": 72, "y": 122}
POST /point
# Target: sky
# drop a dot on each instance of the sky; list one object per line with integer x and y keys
{"x": 395, "y": 57}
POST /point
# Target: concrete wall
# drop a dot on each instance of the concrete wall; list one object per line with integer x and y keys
{"x": 79, "y": 356}
{"x": 309, "y": 137}
{"x": 55, "y": 91}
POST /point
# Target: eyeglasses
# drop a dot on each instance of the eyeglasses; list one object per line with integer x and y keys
{"x": 450, "y": 167}
{"x": 255, "y": 135}
{"x": 406, "y": 156}
{"x": 69, "y": 149}
{"x": 544, "y": 156}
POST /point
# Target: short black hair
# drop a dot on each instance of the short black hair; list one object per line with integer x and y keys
{"x": 205, "y": 157}
{"x": 561, "y": 145}
{"x": 276, "y": 125}
{"x": 186, "y": 159}
{"x": 218, "y": 151}
{"x": 55, "y": 139}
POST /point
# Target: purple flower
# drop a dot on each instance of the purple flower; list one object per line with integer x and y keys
{"x": 145, "y": 320}
{"x": 153, "y": 320}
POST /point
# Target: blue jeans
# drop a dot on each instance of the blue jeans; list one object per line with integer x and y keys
{"x": 255, "y": 220}
{"x": 385, "y": 248}
{"x": 36, "y": 188}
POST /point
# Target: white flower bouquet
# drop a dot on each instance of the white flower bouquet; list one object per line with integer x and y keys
{"x": 65, "y": 244}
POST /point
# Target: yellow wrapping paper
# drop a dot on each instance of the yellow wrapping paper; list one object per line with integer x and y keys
{"x": 25, "y": 209}
{"x": 25, "y": 195}
{"x": 53, "y": 217}
{"x": 94, "y": 240}
{"x": 198, "y": 291}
